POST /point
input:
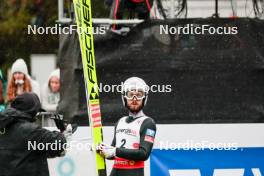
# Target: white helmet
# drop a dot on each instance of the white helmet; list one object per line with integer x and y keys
{"x": 135, "y": 83}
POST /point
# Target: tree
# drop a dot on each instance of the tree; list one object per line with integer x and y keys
{"x": 16, "y": 15}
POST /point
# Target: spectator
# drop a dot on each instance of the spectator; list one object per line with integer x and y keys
{"x": 17, "y": 135}
{"x": 2, "y": 106}
{"x": 2, "y": 90}
{"x": 51, "y": 95}
{"x": 20, "y": 81}
{"x": 1, "y": 93}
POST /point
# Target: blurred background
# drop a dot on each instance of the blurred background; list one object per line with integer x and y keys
{"x": 183, "y": 61}
{"x": 16, "y": 15}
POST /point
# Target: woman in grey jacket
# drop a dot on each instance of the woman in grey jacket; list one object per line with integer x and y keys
{"x": 50, "y": 95}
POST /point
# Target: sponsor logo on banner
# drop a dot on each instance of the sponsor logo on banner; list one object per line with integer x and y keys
{"x": 242, "y": 162}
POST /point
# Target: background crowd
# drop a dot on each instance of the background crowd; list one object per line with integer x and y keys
{"x": 20, "y": 82}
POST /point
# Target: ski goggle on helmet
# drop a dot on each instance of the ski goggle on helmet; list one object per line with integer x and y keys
{"x": 135, "y": 87}
{"x": 139, "y": 95}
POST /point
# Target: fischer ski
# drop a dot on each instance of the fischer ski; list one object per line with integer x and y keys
{"x": 83, "y": 17}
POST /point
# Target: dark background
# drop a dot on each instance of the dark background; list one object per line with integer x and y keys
{"x": 214, "y": 78}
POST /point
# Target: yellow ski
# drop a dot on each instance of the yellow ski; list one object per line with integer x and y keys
{"x": 83, "y": 17}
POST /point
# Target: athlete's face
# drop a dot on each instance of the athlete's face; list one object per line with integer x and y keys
{"x": 135, "y": 100}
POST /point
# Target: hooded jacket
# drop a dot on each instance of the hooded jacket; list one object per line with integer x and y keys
{"x": 20, "y": 66}
{"x": 18, "y": 135}
{"x": 50, "y": 99}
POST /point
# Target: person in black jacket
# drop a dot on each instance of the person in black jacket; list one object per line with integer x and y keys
{"x": 17, "y": 130}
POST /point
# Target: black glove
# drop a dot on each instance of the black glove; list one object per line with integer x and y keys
{"x": 58, "y": 119}
{"x": 60, "y": 123}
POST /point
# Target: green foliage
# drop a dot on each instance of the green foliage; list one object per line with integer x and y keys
{"x": 16, "y": 15}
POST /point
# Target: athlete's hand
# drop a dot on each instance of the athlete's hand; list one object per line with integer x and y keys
{"x": 99, "y": 148}
{"x": 106, "y": 150}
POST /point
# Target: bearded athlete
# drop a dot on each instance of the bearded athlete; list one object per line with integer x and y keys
{"x": 134, "y": 134}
